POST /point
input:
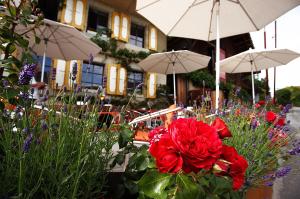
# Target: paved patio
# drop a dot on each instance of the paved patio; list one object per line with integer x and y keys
{"x": 289, "y": 186}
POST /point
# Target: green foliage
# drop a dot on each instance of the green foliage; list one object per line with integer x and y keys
{"x": 283, "y": 96}
{"x": 109, "y": 46}
{"x": 202, "y": 78}
{"x": 67, "y": 158}
{"x": 296, "y": 99}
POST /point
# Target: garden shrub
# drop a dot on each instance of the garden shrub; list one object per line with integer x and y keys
{"x": 296, "y": 99}
{"x": 283, "y": 96}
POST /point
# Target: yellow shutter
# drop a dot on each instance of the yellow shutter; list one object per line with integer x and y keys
{"x": 151, "y": 85}
{"x": 80, "y": 14}
{"x": 60, "y": 66}
{"x": 121, "y": 81}
{"x": 124, "y": 27}
{"x": 115, "y": 25}
{"x": 67, "y": 12}
{"x": 111, "y": 87}
{"x": 152, "y": 38}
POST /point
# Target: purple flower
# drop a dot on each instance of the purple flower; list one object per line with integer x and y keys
{"x": 27, "y": 143}
{"x": 26, "y": 74}
{"x": 99, "y": 90}
{"x": 91, "y": 59}
{"x": 24, "y": 96}
{"x": 283, "y": 171}
{"x": 269, "y": 184}
{"x": 44, "y": 125}
{"x": 25, "y": 130}
{"x": 5, "y": 83}
{"x": 140, "y": 85}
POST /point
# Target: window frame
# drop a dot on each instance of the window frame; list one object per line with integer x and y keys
{"x": 91, "y": 84}
{"x": 135, "y": 82}
{"x": 98, "y": 13}
{"x": 134, "y": 37}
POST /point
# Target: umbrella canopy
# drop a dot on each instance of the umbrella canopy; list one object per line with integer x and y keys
{"x": 257, "y": 60}
{"x": 212, "y": 19}
{"x": 196, "y": 19}
{"x": 59, "y": 41}
{"x": 181, "y": 61}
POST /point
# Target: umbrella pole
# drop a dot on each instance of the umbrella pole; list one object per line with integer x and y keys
{"x": 217, "y": 56}
{"x": 253, "y": 92}
{"x": 174, "y": 84}
{"x": 44, "y": 62}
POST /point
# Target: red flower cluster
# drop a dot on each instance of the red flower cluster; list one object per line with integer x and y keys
{"x": 234, "y": 164}
{"x": 191, "y": 145}
{"x": 271, "y": 117}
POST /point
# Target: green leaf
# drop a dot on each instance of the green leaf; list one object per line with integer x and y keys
{"x": 142, "y": 163}
{"x": 125, "y": 136}
{"x": 11, "y": 92}
{"x": 186, "y": 188}
{"x": 2, "y": 105}
{"x": 223, "y": 185}
{"x": 153, "y": 184}
{"x": 37, "y": 40}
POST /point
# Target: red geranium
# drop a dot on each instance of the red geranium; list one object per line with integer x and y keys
{"x": 257, "y": 105}
{"x": 270, "y": 116}
{"x": 221, "y": 127}
{"x": 198, "y": 143}
{"x": 281, "y": 122}
{"x": 166, "y": 154}
{"x": 238, "y": 165}
{"x": 261, "y": 102}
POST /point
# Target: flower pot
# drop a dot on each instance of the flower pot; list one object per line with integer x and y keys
{"x": 261, "y": 192}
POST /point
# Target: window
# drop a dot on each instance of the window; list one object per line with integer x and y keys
{"x": 134, "y": 79}
{"x": 97, "y": 20}
{"x": 47, "y": 70}
{"x": 92, "y": 75}
{"x": 137, "y": 35}
{"x": 49, "y": 8}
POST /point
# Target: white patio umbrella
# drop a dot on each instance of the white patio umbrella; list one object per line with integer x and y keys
{"x": 257, "y": 60}
{"x": 59, "y": 41}
{"x": 181, "y": 61}
{"x": 212, "y": 19}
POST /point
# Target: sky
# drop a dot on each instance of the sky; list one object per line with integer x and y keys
{"x": 288, "y": 36}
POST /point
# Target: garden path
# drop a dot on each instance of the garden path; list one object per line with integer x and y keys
{"x": 288, "y": 187}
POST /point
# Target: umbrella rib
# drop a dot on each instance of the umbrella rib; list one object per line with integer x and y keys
{"x": 187, "y": 58}
{"x": 167, "y": 68}
{"x": 181, "y": 63}
{"x": 186, "y": 11}
{"x": 248, "y": 15}
{"x": 58, "y": 46}
{"x": 210, "y": 21}
{"x": 154, "y": 2}
{"x": 78, "y": 48}
{"x": 239, "y": 63}
{"x": 252, "y": 59}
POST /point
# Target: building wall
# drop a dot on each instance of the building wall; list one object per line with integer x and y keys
{"x": 104, "y": 58}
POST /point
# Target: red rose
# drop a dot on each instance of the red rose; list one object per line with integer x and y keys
{"x": 261, "y": 102}
{"x": 156, "y": 133}
{"x": 221, "y": 127}
{"x": 257, "y": 105}
{"x": 198, "y": 143}
{"x": 166, "y": 154}
{"x": 270, "y": 116}
{"x": 238, "y": 166}
{"x": 281, "y": 122}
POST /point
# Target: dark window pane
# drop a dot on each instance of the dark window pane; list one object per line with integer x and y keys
{"x": 49, "y": 8}
{"x": 137, "y": 35}
{"x": 97, "y": 19}
{"x": 93, "y": 77}
{"x": 134, "y": 79}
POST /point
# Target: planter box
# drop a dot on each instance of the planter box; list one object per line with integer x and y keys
{"x": 261, "y": 192}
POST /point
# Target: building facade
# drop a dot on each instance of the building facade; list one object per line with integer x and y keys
{"x": 130, "y": 33}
